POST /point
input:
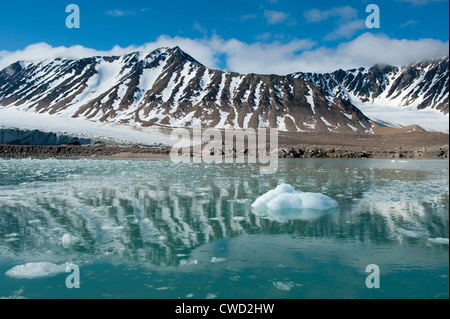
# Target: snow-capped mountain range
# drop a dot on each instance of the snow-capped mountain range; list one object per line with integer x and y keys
{"x": 421, "y": 85}
{"x": 167, "y": 87}
{"x": 390, "y": 93}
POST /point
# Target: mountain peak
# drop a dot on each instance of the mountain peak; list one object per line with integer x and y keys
{"x": 178, "y": 51}
{"x": 419, "y": 85}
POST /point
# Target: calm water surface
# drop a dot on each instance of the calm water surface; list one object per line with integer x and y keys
{"x": 151, "y": 228}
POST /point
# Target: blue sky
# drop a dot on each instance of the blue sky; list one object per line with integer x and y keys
{"x": 244, "y": 36}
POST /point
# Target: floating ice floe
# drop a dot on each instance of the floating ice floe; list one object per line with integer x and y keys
{"x": 217, "y": 259}
{"x": 185, "y": 262}
{"x": 443, "y": 241}
{"x": 286, "y": 286}
{"x": 108, "y": 227}
{"x": 12, "y": 239}
{"x": 211, "y": 296}
{"x": 68, "y": 240}
{"x": 36, "y": 270}
{"x": 15, "y": 295}
{"x": 416, "y": 233}
{"x": 285, "y": 203}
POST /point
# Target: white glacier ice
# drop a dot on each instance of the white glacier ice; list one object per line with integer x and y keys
{"x": 17, "y": 294}
{"x": 36, "y": 270}
{"x": 286, "y": 286}
{"x": 413, "y": 233}
{"x": 284, "y": 203}
{"x": 439, "y": 240}
{"x": 68, "y": 240}
{"x": 217, "y": 260}
{"x": 185, "y": 262}
{"x": 109, "y": 227}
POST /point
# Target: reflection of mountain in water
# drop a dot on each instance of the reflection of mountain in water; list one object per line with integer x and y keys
{"x": 158, "y": 212}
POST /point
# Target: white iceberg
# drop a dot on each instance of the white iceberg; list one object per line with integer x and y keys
{"x": 412, "y": 233}
{"x": 217, "y": 260}
{"x": 286, "y": 286}
{"x": 68, "y": 240}
{"x": 185, "y": 262}
{"x": 439, "y": 240}
{"x": 36, "y": 270}
{"x": 285, "y": 203}
{"x": 109, "y": 227}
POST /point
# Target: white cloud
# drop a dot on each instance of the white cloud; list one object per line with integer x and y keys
{"x": 346, "y": 20}
{"x": 369, "y": 49}
{"x": 263, "y": 37}
{"x": 273, "y": 57}
{"x": 275, "y": 17}
{"x": 409, "y": 23}
{"x": 421, "y": 2}
{"x": 343, "y": 13}
{"x": 346, "y": 30}
{"x": 249, "y": 16}
{"x": 120, "y": 13}
{"x": 40, "y": 51}
{"x": 199, "y": 28}
{"x": 201, "y": 49}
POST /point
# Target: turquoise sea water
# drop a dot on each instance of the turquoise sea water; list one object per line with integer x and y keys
{"x": 150, "y": 228}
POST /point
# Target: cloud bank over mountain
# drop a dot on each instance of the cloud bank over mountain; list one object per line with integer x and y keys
{"x": 262, "y": 58}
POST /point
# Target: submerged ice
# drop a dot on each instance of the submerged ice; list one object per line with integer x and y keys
{"x": 285, "y": 203}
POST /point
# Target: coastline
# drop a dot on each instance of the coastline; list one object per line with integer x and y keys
{"x": 385, "y": 142}
{"x": 298, "y": 151}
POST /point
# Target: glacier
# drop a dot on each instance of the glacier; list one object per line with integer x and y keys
{"x": 36, "y": 137}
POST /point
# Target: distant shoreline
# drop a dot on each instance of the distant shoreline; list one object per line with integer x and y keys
{"x": 385, "y": 143}
{"x": 71, "y": 151}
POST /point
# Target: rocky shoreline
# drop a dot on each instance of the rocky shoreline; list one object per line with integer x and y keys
{"x": 338, "y": 152}
{"x": 308, "y": 151}
{"x": 75, "y": 151}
